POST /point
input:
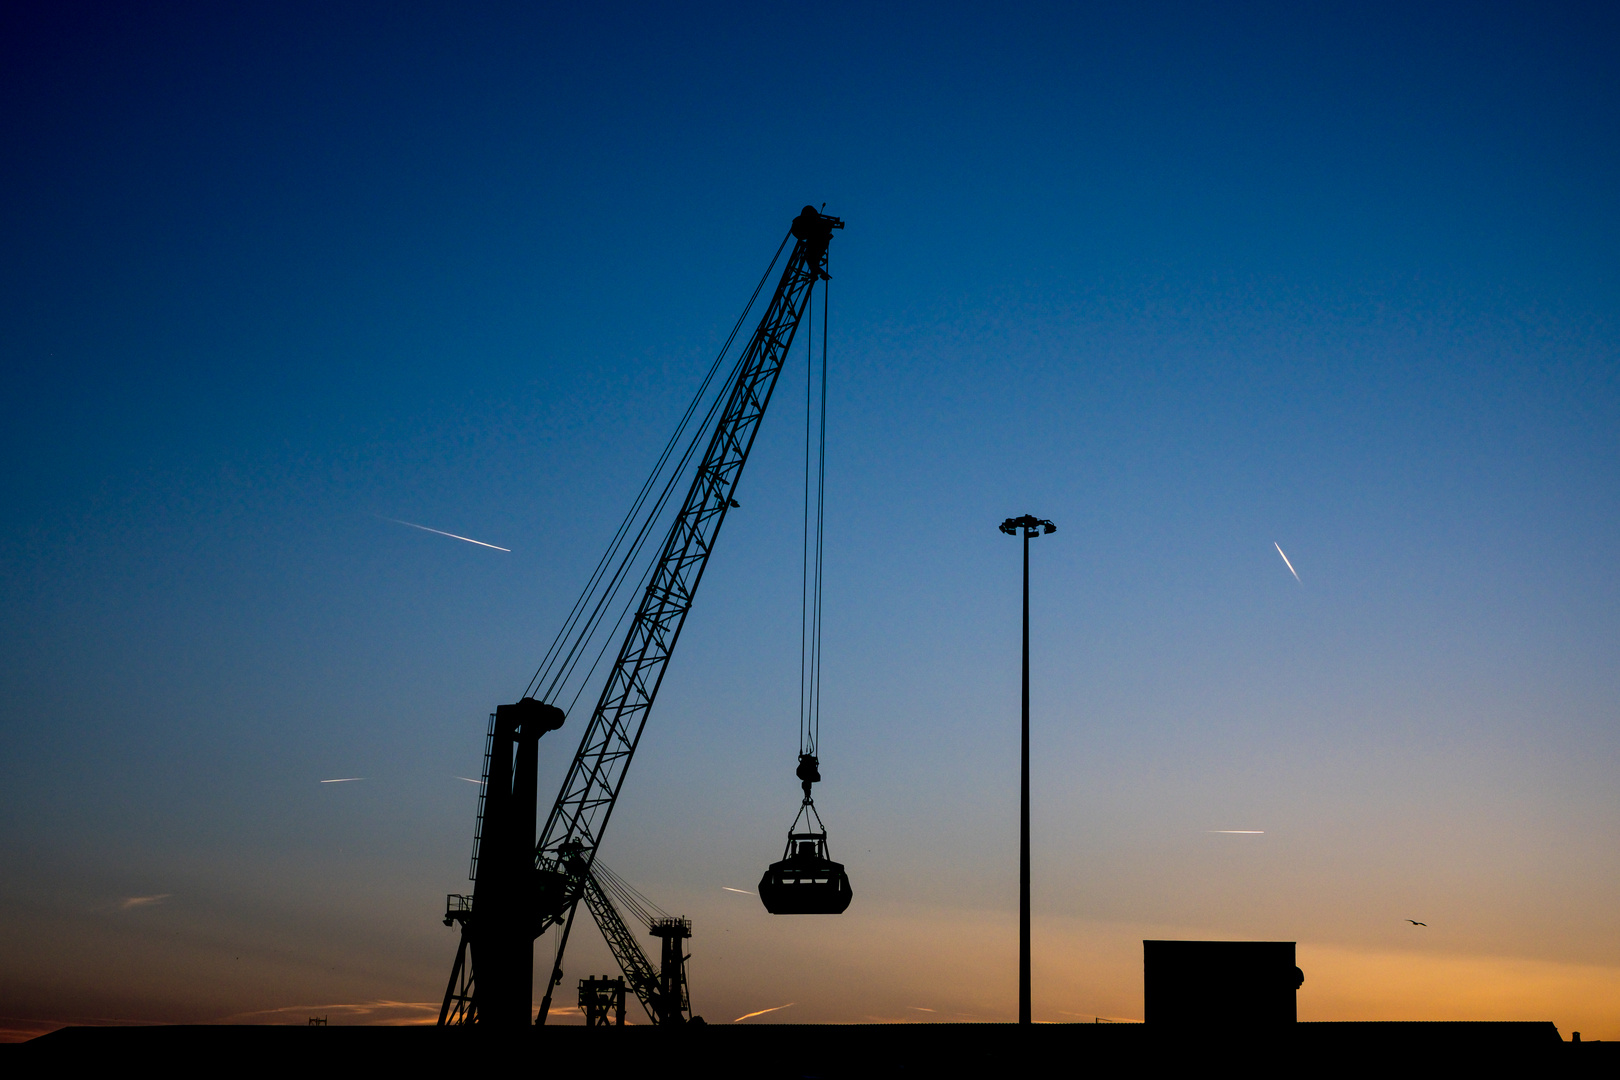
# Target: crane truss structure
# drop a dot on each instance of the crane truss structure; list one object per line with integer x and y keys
{"x": 639, "y": 975}
{"x": 566, "y": 847}
{"x": 581, "y": 812}
{"x": 663, "y": 993}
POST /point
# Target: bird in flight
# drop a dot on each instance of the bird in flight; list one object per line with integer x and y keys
{"x": 1414, "y": 922}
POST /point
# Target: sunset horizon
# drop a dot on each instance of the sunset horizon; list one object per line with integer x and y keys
{"x": 343, "y": 339}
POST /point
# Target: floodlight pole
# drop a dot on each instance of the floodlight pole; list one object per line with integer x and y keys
{"x": 1030, "y": 527}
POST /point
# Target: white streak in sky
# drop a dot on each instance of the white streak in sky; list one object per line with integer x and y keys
{"x": 1239, "y": 832}
{"x": 1286, "y": 563}
{"x": 762, "y": 1012}
{"x": 343, "y": 780}
{"x": 745, "y": 892}
{"x": 143, "y": 901}
{"x": 364, "y": 1008}
{"x": 469, "y": 780}
{"x": 452, "y": 536}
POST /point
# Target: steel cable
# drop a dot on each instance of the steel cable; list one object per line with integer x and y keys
{"x": 560, "y": 658}
{"x": 811, "y": 557}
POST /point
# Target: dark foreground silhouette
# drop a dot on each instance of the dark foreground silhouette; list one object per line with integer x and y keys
{"x": 783, "y": 1050}
{"x": 1203, "y": 988}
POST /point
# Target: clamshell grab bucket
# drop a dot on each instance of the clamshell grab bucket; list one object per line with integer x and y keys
{"x": 806, "y": 882}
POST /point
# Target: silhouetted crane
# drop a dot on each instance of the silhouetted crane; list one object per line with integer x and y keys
{"x": 663, "y": 992}
{"x": 523, "y": 885}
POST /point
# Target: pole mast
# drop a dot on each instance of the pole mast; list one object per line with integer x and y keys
{"x": 1028, "y": 527}
{"x": 1023, "y": 821}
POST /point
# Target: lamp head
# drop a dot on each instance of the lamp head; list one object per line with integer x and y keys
{"x": 1032, "y": 526}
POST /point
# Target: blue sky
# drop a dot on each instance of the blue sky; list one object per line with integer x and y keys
{"x": 1190, "y": 281}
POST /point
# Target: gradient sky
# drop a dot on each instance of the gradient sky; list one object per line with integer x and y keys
{"x": 1191, "y": 280}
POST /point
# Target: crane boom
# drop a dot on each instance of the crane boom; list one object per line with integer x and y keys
{"x": 581, "y": 812}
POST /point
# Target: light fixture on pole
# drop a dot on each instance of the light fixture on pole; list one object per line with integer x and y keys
{"x": 1030, "y": 527}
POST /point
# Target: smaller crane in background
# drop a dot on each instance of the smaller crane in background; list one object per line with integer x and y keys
{"x": 663, "y": 993}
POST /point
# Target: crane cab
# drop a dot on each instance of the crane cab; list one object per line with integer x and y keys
{"x": 806, "y": 881}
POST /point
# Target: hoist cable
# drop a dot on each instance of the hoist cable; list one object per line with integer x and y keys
{"x": 804, "y": 562}
{"x": 565, "y": 667}
{"x": 571, "y": 660}
{"x": 821, "y": 519}
{"x": 571, "y": 636}
{"x": 811, "y": 557}
{"x": 611, "y": 636}
{"x": 565, "y": 633}
{"x": 568, "y": 631}
{"x": 627, "y": 895}
{"x": 575, "y": 655}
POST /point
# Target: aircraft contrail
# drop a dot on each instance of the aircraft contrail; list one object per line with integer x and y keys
{"x": 452, "y": 536}
{"x": 469, "y": 780}
{"x": 762, "y": 1012}
{"x": 363, "y": 1008}
{"x": 1286, "y": 563}
{"x": 343, "y": 780}
{"x": 745, "y": 892}
{"x": 143, "y": 901}
{"x": 1239, "y": 832}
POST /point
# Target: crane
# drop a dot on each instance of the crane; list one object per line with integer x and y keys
{"x": 525, "y": 883}
{"x": 663, "y": 992}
